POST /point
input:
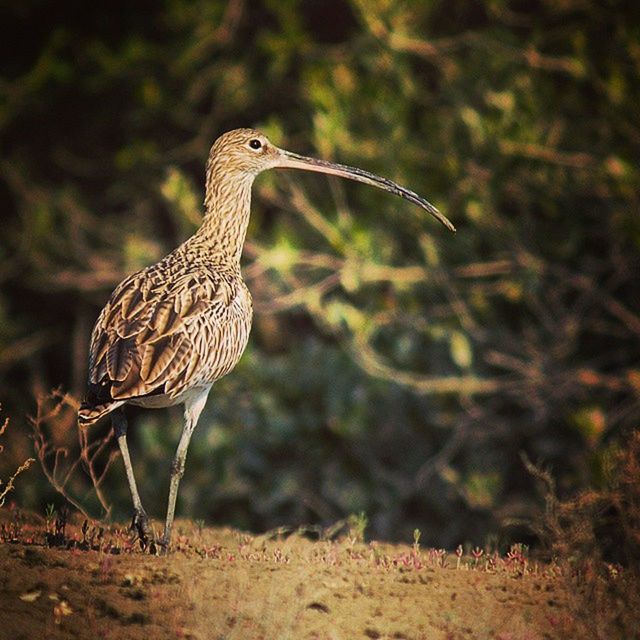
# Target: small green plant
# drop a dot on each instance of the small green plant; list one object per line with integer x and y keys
{"x": 56, "y": 523}
{"x": 357, "y": 524}
{"x": 416, "y": 541}
{"x": 49, "y": 515}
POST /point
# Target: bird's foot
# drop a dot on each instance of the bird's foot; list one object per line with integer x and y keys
{"x": 140, "y": 524}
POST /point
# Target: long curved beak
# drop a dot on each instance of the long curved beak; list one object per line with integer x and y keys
{"x": 291, "y": 160}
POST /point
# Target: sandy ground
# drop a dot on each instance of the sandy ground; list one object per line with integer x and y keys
{"x": 221, "y": 584}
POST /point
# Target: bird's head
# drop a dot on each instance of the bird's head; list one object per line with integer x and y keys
{"x": 243, "y": 152}
{"x": 246, "y": 153}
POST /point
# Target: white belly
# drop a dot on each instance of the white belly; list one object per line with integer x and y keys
{"x": 166, "y": 400}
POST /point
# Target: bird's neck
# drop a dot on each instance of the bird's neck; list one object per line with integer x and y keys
{"x": 227, "y": 209}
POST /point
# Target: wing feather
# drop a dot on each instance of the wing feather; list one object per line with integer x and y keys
{"x": 156, "y": 357}
{"x": 120, "y": 358}
{"x": 180, "y": 349}
{"x": 131, "y": 387}
{"x": 132, "y": 303}
{"x": 164, "y": 319}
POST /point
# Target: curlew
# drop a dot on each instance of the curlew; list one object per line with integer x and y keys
{"x": 169, "y": 331}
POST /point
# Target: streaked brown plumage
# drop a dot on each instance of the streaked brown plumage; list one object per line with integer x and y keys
{"x": 170, "y": 331}
{"x": 180, "y": 323}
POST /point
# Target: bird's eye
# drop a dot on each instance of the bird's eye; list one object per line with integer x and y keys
{"x": 255, "y": 144}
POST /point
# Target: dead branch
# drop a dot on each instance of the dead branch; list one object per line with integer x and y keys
{"x": 58, "y": 463}
{"x": 10, "y": 484}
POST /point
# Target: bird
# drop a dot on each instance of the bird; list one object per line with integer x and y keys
{"x": 170, "y": 330}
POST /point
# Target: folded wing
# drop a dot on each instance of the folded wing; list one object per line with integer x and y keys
{"x": 163, "y": 333}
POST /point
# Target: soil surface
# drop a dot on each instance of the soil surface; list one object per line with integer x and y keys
{"x": 220, "y": 584}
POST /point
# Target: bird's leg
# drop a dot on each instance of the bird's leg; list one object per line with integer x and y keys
{"x": 177, "y": 471}
{"x": 192, "y": 411}
{"x": 140, "y": 521}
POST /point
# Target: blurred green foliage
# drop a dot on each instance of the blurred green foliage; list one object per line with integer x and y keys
{"x": 394, "y": 369}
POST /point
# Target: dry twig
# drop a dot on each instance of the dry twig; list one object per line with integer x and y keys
{"x": 57, "y": 465}
{"x": 9, "y": 485}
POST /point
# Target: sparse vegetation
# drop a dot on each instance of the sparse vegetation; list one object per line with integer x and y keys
{"x": 585, "y": 586}
{"x": 596, "y": 537}
{"x": 6, "y": 487}
{"x": 69, "y": 464}
{"x": 272, "y": 586}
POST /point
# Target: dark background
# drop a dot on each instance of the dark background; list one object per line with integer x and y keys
{"x": 394, "y": 368}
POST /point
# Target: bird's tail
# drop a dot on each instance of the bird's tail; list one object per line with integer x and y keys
{"x": 90, "y": 413}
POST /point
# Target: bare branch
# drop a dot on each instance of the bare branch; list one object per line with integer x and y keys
{"x": 57, "y": 463}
